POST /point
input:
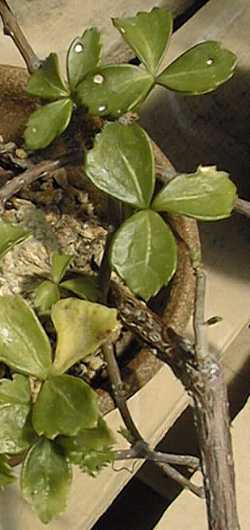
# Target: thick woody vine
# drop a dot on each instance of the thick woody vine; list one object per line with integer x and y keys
{"x": 141, "y": 248}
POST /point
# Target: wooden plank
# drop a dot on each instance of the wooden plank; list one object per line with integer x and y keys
{"x": 52, "y": 24}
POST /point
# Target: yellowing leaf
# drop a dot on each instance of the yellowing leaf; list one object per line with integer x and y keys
{"x": 82, "y": 327}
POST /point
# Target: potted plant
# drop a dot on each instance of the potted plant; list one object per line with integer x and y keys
{"x": 87, "y": 128}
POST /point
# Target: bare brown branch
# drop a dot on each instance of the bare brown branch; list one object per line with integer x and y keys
{"x": 13, "y": 30}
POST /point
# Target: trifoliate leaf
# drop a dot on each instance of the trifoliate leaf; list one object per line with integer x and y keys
{"x": 46, "y": 294}
{"x": 115, "y": 167}
{"x": 207, "y": 194}
{"x": 83, "y": 56}
{"x": 200, "y": 69}
{"x": 60, "y": 263}
{"x": 46, "y": 82}
{"x": 46, "y": 479}
{"x": 82, "y": 327}
{"x": 10, "y": 236}
{"x": 84, "y": 286}
{"x": 64, "y": 405}
{"x": 15, "y": 403}
{"x": 113, "y": 90}
{"x": 46, "y": 123}
{"x": 24, "y": 344}
{"x": 144, "y": 253}
{"x": 6, "y": 476}
{"x": 148, "y": 35}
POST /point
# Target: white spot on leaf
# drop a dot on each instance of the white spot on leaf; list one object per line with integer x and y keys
{"x": 78, "y": 48}
{"x": 98, "y": 79}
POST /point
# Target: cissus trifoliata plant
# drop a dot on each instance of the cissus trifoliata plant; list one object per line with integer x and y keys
{"x": 61, "y": 424}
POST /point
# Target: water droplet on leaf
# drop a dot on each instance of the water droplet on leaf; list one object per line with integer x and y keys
{"x": 78, "y": 48}
{"x": 102, "y": 108}
{"x": 98, "y": 79}
{"x": 210, "y": 61}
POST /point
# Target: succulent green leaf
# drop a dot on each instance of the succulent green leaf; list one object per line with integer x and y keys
{"x": 24, "y": 344}
{"x": 91, "y": 449}
{"x": 15, "y": 403}
{"x": 121, "y": 163}
{"x": 207, "y": 194}
{"x": 64, "y": 405}
{"x": 148, "y": 35}
{"x": 46, "y": 82}
{"x": 60, "y": 263}
{"x": 82, "y": 327}
{"x": 6, "y": 476}
{"x": 46, "y": 479}
{"x": 93, "y": 461}
{"x": 200, "y": 69}
{"x": 144, "y": 253}
{"x": 46, "y": 123}
{"x": 98, "y": 438}
{"x": 84, "y": 286}
{"x": 83, "y": 56}
{"x": 11, "y": 235}
{"x": 46, "y": 294}
{"x": 113, "y": 90}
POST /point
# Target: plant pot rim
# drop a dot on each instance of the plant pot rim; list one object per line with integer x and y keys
{"x": 179, "y": 308}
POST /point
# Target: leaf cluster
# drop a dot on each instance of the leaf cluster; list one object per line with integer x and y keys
{"x": 60, "y": 425}
{"x": 110, "y": 90}
{"x": 49, "y": 291}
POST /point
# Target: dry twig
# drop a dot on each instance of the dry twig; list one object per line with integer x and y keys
{"x": 13, "y": 30}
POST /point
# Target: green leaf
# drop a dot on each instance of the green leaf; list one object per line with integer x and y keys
{"x": 64, "y": 405}
{"x": 207, "y": 194}
{"x": 46, "y": 82}
{"x": 113, "y": 90}
{"x": 15, "y": 403}
{"x": 91, "y": 448}
{"x": 10, "y": 236}
{"x": 84, "y": 286}
{"x": 200, "y": 69}
{"x": 6, "y": 476}
{"x": 46, "y": 123}
{"x": 46, "y": 294}
{"x": 144, "y": 253}
{"x": 148, "y": 35}
{"x": 121, "y": 163}
{"x": 24, "y": 344}
{"x": 46, "y": 479}
{"x": 98, "y": 438}
{"x": 83, "y": 56}
{"x": 60, "y": 263}
{"x": 94, "y": 461}
{"x": 82, "y": 327}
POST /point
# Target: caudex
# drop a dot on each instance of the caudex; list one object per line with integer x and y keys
{"x": 141, "y": 249}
